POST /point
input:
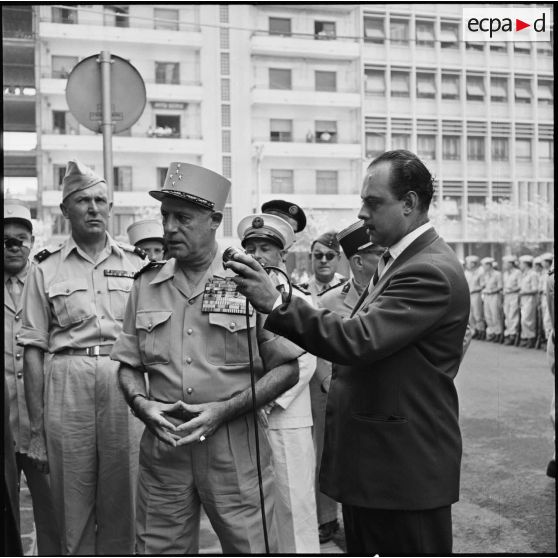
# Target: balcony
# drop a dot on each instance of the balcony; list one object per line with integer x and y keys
{"x": 298, "y": 45}
{"x": 321, "y": 150}
{"x": 305, "y": 98}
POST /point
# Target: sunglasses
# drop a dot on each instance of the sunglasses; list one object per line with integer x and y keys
{"x": 16, "y": 243}
{"x": 328, "y": 255}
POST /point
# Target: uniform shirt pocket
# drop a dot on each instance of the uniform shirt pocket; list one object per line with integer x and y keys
{"x": 71, "y": 301}
{"x": 118, "y": 289}
{"x": 153, "y": 330}
{"x": 228, "y": 340}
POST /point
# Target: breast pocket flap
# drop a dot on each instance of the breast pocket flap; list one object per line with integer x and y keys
{"x": 231, "y": 322}
{"x": 149, "y": 320}
{"x": 119, "y": 284}
{"x": 66, "y": 288}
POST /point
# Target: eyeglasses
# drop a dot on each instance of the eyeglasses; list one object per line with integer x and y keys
{"x": 11, "y": 242}
{"x": 328, "y": 255}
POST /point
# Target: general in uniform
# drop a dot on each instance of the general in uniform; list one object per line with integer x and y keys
{"x": 73, "y": 307}
{"x": 268, "y": 237}
{"x": 147, "y": 235}
{"x": 185, "y": 327}
{"x": 510, "y": 280}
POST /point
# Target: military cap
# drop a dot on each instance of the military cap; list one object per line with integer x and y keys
{"x": 547, "y": 256}
{"x": 146, "y": 229}
{"x": 487, "y": 260}
{"x": 14, "y": 210}
{"x": 510, "y": 259}
{"x": 196, "y": 185}
{"x": 328, "y": 239}
{"x": 266, "y": 226}
{"x": 354, "y": 238}
{"x": 526, "y": 258}
{"x": 291, "y": 210}
{"x": 472, "y": 258}
{"x": 537, "y": 260}
{"x": 78, "y": 177}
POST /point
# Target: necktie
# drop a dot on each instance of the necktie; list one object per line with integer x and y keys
{"x": 14, "y": 289}
{"x": 386, "y": 256}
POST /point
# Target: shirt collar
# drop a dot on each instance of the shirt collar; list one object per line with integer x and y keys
{"x": 21, "y": 276}
{"x": 110, "y": 246}
{"x": 397, "y": 249}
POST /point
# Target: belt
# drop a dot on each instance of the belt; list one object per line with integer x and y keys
{"x": 494, "y": 292}
{"x": 477, "y": 291}
{"x": 511, "y": 292}
{"x": 96, "y": 350}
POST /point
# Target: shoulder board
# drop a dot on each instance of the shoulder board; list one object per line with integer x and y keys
{"x": 301, "y": 289}
{"x": 303, "y": 285}
{"x": 331, "y": 288}
{"x": 134, "y": 249}
{"x": 551, "y": 271}
{"x": 148, "y": 266}
{"x": 46, "y": 252}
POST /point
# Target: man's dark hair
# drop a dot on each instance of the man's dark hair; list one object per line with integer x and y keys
{"x": 408, "y": 173}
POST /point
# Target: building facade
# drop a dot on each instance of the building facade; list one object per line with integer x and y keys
{"x": 293, "y": 100}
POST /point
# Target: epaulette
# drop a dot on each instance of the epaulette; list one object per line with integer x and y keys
{"x": 134, "y": 249}
{"x": 301, "y": 289}
{"x": 46, "y": 252}
{"x": 303, "y": 285}
{"x": 347, "y": 286}
{"x": 148, "y": 266}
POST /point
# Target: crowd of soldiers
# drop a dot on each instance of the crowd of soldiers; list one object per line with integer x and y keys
{"x": 510, "y": 306}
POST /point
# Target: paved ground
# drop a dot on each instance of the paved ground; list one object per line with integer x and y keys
{"x": 507, "y": 502}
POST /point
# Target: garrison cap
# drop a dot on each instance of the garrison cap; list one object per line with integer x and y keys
{"x": 266, "y": 226}
{"x": 78, "y": 177}
{"x": 510, "y": 259}
{"x": 291, "y": 210}
{"x": 328, "y": 239}
{"x": 472, "y": 258}
{"x": 487, "y": 260}
{"x": 526, "y": 258}
{"x": 547, "y": 256}
{"x": 354, "y": 238}
{"x": 538, "y": 260}
{"x": 196, "y": 185}
{"x": 145, "y": 229}
{"x": 15, "y": 210}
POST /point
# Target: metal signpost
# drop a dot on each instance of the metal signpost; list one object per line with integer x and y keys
{"x": 106, "y": 94}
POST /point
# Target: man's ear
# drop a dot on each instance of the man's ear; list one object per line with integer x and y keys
{"x": 283, "y": 254}
{"x": 32, "y": 240}
{"x": 216, "y": 218}
{"x": 357, "y": 260}
{"x": 64, "y": 210}
{"x": 410, "y": 202}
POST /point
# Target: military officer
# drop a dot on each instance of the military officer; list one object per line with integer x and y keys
{"x": 18, "y": 242}
{"x": 292, "y": 213}
{"x": 147, "y": 234}
{"x": 510, "y": 281}
{"x": 185, "y": 327}
{"x": 268, "y": 237}
{"x": 492, "y": 300}
{"x": 73, "y": 305}
{"x": 473, "y": 274}
{"x": 528, "y": 292}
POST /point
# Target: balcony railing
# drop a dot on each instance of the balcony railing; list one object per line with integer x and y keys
{"x": 152, "y": 132}
{"x": 309, "y": 36}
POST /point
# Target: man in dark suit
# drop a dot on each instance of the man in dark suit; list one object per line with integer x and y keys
{"x": 393, "y": 446}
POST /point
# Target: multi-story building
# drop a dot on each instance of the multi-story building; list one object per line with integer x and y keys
{"x": 293, "y": 100}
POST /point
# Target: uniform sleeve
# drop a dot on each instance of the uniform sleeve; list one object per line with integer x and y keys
{"x": 306, "y": 368}
{"x": 126, "y": 347}
{"x": 36, "y": 315}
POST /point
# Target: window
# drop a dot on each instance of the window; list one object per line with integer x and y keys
{"x": 451, "y": 148}
{"x": 450, "y": 86}
{"x": 279, "y": 79}
{"x": 453, "y": 207}
{"x": 227, "y": 170}
{"x": 522, "y": 90}
{"x": 227, "y": 222}
{"x": 225, "y": 64}
{"x": 523, "y": 149}
{"x": 399, "y": 31}
{"x": 449, "y": 35}
{"x": 166, "y": 19}
{"x": 475, "y": 88}
{"x": 546, "y": 149}
{"x": 475, "y": 148}
{"x": 498, "y": 89}
{"x": 326, "y": 131}
{"x": 280, "y": 26}
{"x": 122, "y": 179}
{"x": 117, "y": 16}
{"x": 375, "y": 82}
{"x": 64, "y": 15}
{"x": 545, "y": 47}
{"x": 399, "y": 84}
{"x": 522, "y": 48}
{"x": 62, "y": 66}
{"x": 226, "y": 140}
{"x": 167, "y": 72}
{"x": 167, "y": 125}
{"x": 282, "y": 181}
{"x": 474, "y": 46}
{"x": 426, "y": 85}
{"x": 61, "y": 225}
{"x": 375, "y": 144}
{"x": 374, "y": 30}
{"x": 498, "y": 47}
{"x": 426, "y": 146}
{"x": 281, "y": 130}
{"x": 475, "y": 204}
{"x": 224, "y": 39}
{"x": 400, "y": 141}
{"x": 226, "y": 115}
{"x": 325, "y": 81}
{"x": 326, "y": 182}
{"x": 425, "y": 33}
{"x": 225, "y": 89}
{"x": 161, "y": 175}
{"x": 545, "y": 91}
{"x": 324, "y": 30}
{"x": 59, "y": 172}
{"x": 500, "y": 149}
{"x": 59, "y": 121}
{"x": 223, "y": 13}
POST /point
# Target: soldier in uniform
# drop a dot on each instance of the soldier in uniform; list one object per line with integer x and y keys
{"x": 81, "y": 428}
{"x": 547, "y": 259}
{"x": 473, "y": 274}
{"x": 18, "y": 241}
{"x": 528, "y": 292}
{"x": 492, "y": 300}
{"x": 267, "y": 237}
{"x": 147, "y": 234}
{"x": 185, "y": 327}
{"x": 510, "y": 281}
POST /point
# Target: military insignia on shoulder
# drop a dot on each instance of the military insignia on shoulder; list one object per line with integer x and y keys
{"x": 346, "y": 288}
{"x": 303, "y": 285}
{"x": 46, "y": 252}
{"x": 331, "y": 288}
{"x": 301, "y": 289}
{"x": 148, "y": 266}
{"x": 140, "y": 252}
{"x": 134, "y": 249}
